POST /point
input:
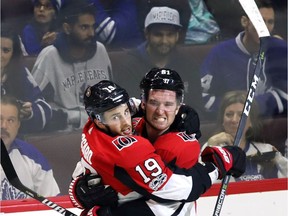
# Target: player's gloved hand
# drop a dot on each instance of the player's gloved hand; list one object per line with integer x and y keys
{"x": 97, "y": 211}
{"x": 187, "y": 120}
{"x": 134, "y": 105}
{"x": 229, "y": 159}
{"x": 87, "y": 191}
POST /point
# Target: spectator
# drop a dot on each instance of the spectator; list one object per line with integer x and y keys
{"x": 182, "y": 6}
{"x": 30, "y": 165}
{"x": 106, "y": 105}
{"x": 160, "y": 51}
{"x": 42, "y": 31}
{"x": 227, "y": 13}
{"x": 230, "y": 66}
{"x": 202, "y": 27}
{"x": 116, "y": 23}
{"x": 263, "y": 160}
{"x": 65, "y": 69}
{"x": 16, "y": 80}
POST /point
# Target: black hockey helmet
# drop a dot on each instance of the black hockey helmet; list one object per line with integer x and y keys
{"x": 162, "y": 78}
{"x": 103, "y": 96}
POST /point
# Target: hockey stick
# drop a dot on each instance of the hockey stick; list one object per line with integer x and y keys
{"x": 255, "y": 17}
{"x": 14, "y": 180}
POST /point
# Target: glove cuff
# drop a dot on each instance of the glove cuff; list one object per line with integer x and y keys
{"x": 72, "y": 193}
{"x": 93, "y": 211}
{"x": 219, "y": 157}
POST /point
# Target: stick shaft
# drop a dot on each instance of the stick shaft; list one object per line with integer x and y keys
{"x": 14, "y": 180}
{"x": 254, "y": 15}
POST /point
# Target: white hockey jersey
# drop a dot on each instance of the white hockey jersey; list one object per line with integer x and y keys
{"x": 33, "y": 171}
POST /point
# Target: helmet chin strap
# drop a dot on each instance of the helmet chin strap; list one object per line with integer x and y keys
{"x": 109, "y": 132}
{"x": 106, "y": 129}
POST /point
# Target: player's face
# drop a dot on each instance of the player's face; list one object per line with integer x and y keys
{"x": 231, "y": 119}
{"x": 6, "y": 51}
{"x": 160, "y": 108}
{"x": 162, "y": 39}
{"x": 10, "y": 123}
{"x": 83, "y": 31}
{"x": 44, "y": 11}
{"x": 269, "y": 19}
{"x": 119, "y": 120}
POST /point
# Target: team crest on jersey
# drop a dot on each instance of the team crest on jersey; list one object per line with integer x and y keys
{"x": 187, "y": 137}
{"x": 123, "y": 142}
{"x": 8, "y": 192}
{"x": 156, "y": 183}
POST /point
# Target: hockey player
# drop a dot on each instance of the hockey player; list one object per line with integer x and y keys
{"x": 162, "y": 98}
{"x": 125, "y": 161}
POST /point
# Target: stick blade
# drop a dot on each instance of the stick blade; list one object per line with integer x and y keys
{"x": 255, "y": 17}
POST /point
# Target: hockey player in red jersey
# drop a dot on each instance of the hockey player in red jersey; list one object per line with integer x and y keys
{"x": 120, "y": 158}
{"x": 162, "y": 96}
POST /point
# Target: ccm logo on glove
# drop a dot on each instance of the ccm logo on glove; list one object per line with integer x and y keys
{"x": 224, "y": 153}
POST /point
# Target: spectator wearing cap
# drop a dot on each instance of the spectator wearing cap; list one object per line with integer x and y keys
{"x": 182, "y": 6}
{"x": 42, "y": 30}
{"x": 159, "y": 50}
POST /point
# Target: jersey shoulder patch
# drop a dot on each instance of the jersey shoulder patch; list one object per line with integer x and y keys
{"x": 187, "y": 137}
{"x": 122, "y": 142}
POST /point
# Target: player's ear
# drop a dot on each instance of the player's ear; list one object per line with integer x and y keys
{"x": 177, "y": 36}
{"x": 143, "y": 104}
{"x": 99, "y": 124}
{"x": 177, "y": 109}
{"x": 244, "y": 21}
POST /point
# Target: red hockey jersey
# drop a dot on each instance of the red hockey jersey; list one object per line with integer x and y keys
{"x": 178, "y": 146}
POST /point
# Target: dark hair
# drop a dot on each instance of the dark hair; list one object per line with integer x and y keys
{"x": 233, "y": 97}
{"x": 8, "y": 32}
{"x": 75, "y": 8}
{"x": 11, "y": 100}
{"x": 260, "y": 4}
{"x": 56, "y": 4}
{"x": 14, "y": 68}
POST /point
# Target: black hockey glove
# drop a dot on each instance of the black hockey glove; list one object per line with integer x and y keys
{"x": 187, "y": 120}
{"x": 229, "y": 160}
{"x": 97, "y": 211}
{"x": 87, "y": 191}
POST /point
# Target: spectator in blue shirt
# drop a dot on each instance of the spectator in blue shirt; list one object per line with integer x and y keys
{"x": 116, "y": 23}
{"x": 230, "y": 66}
{"x": 16, "y": 80}
{"x": 42, "y": 31}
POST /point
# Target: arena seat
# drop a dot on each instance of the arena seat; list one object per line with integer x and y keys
{"x": 29, "y": 62}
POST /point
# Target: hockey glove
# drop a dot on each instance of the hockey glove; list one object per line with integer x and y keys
{"x": 187, "y": 120}
{"x": 229, "y": 160}
{"x": 97, "y": 211}
{"x": 87, "y": 191}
